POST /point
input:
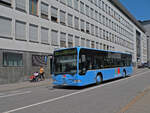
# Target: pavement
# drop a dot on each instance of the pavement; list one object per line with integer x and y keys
{"x": 139, "y": 104}
{"x": 21, "y": 85}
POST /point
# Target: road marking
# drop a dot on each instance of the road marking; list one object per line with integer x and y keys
{"x": 14, "y": 94}
{"x": 68, "y": 95}
{"x": 133, "y": 101}
{"x": 1, "y": 93}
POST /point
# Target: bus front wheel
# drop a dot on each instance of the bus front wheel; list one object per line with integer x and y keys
{"x": 99, "y": 79}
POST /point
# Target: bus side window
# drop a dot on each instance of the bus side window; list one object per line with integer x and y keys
{"x": 89, "y": 62}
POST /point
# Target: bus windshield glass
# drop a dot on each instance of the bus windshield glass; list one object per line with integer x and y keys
{"x": 65, "y": 61}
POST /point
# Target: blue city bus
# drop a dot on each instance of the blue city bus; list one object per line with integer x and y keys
{"x": 81, "y": 66}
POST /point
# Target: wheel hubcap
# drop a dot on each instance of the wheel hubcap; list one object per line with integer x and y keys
{"x": 98, "y": 79}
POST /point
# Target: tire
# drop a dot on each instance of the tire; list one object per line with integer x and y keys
{"x": 99, "y": 79}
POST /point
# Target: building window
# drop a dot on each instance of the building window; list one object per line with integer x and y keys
{"x": 100, "y": 16}
{"x": 54, "y": 38}
{"x": 5, "y": 27}
{"x": 92, "y": 29}
{"x": 104, "y": 47}
{"x": 33, "y": 33}
{"x": 76, "y": 23}
{"x": 104, "y": 34}
{"x": 82, "y": 7}
{"x": 6, "y": 2}
{"x": 99, "y": 3}
{"x": 96, "y": 15}
{"x": 82, "y": 42}
{"x": 97, "y": 45}
{"x": 96, "y": 31}
{"x": 107, "y": 22}
{"x": 20, "y": 32}
{"x": 107, "y": 35}
{"x": 44, "y": 10}
{"x": 33, "y": 7}
{"x": 69, "y": 3}
{"x": 103, "y": 20}
{"x": 21, "y": 5}
{"x": 109, "y": 25}
{"x": 44, "y": 35}
{"x": 77, "y": 43}
{"x": 113, "y": 38}
{"x": 63, "y": 1}
{"x": 109, "y": 10}
{"x": 70, "y": 40}
{"x": 54, "y": 14}
{"x": 87, "y": 10}
{"x": 87, "y": 27}
{"x": 87, "y": 43}
{"x": 70, "y": 19}
{"x": 100, "y": 32}
{"x": 62, "y": 17}
{"x": 76, "y": 5}
{"x": 12, "y": 59}
{"x": 95, "y": 2}
{"x": 101, "y": 46}
{"x": 103, "y": 6}
{"x": 107, "y": 47}
{"x": 39, "y": 60}
{"x": 82, "y": 25}
{"x": 91, "y": 1}
{"x": 91, "y": 12}
{"x": 110, "y": 37}
{"x": 63, "y": 40}
{"x": 106, "y": 7}
{"x": 92, "y": 44}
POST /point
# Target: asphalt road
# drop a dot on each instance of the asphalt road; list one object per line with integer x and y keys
{"x": 109, "y": 97}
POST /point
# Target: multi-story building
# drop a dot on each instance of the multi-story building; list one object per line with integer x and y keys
{"x": 146, "y": 25}
{"x": 30, "y": 30}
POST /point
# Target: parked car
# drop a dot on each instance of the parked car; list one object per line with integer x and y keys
{"x": 143, "y": 65}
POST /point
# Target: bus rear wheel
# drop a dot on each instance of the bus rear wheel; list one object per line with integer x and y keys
{"x": 99, "y": 79}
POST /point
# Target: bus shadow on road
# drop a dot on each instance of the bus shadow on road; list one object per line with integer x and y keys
{"x": 84, "y": 87}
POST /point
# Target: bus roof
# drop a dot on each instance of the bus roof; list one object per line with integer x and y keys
{"x": 79, "y": 47}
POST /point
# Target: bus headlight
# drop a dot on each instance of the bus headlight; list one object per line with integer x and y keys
{"x": 77, "y": 81}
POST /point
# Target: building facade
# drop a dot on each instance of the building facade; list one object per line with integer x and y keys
{"x": 146, "y": 25}
{"x": 30, "y": 30}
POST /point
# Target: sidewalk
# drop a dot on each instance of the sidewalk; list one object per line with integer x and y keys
{"x": 27, "y": 84}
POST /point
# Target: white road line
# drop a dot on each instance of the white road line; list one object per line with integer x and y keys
{"x": 68, "y": 95}
{"x": 1, "y": 93}
{"x": 9, "y": 95}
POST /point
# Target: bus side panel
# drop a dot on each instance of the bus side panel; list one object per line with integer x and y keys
{"x": 90, "y": 77}
{"x": 129, "y": 71}
{"x": 108, "y": 74}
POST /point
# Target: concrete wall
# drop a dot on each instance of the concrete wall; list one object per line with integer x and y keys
{"x": 146, "y": 25}
{"x": 19, "y": 74}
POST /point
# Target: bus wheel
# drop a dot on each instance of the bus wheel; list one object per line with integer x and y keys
{"x": 99, "y": 79}
{"x": 124, "y": 73}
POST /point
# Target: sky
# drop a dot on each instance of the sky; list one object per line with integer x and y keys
{"x": 140, "y": 9}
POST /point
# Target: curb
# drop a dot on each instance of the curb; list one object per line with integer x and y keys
{"x": 22, "y": 85}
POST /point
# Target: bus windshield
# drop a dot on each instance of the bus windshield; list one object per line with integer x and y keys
{"x": 65, "y": 61}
